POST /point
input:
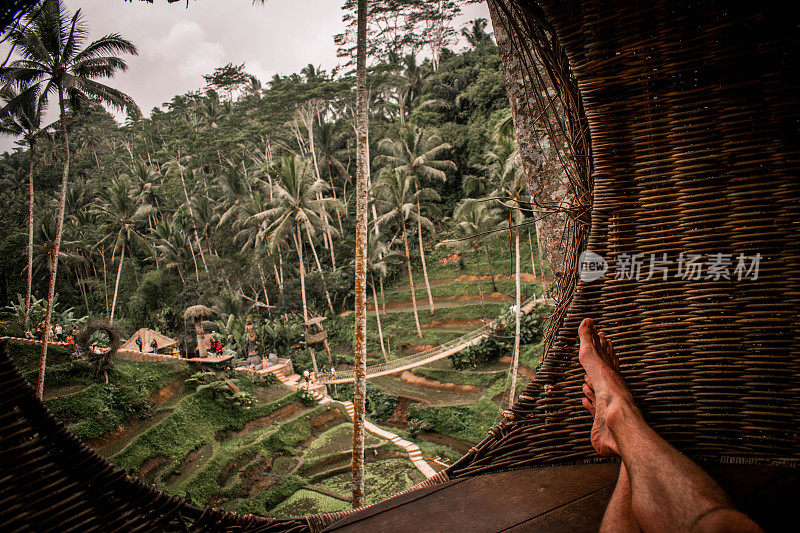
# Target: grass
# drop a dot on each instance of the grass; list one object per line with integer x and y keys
{"x": 395, "y": 386}
{"x": 334, "y": 441}
{"x": 203, "y": 485}
{"x": 306, "y": 502}
{"x": 462, "y": 377}
{"x": 465, "y": 288}
{"x": 101, "y": 407}
{"x": 381, "y": 479}
{"x": 193, "y": 423}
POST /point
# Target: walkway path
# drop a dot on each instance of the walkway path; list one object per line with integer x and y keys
{"x": 318, "y": 392}
{"x": 427, "y": 356}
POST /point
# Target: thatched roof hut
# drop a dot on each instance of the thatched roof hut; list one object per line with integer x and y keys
{"x": 197, "y": 311}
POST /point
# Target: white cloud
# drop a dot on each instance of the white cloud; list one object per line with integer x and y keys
{"x": 187, "y": 47}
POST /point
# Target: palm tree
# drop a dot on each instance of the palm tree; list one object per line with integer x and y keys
{"x": 408, "y": 82}
{"x": 476, "y": 219}
{"x": 295, "y": 209}
{"x": 399, "y": 203}
{"x": 52, "y": 57}
{"x": 506, "y": 172}
{"x": 171, "y": 242}
{"x": 24, "y": 119}
{"x": 421, "y": 155}
{"x": 362, "y": 177}
{"x": 379, "y": 257}
{"x": 328, "y": 141}
{"x": 475, "y": 33}
{"x": 121, "y": 216}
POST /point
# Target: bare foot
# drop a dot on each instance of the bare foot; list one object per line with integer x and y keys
{"x": 604, "y": 387}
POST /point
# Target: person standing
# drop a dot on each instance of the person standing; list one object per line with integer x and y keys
{"x": 154, "y": 346}
{"x": 306, "y": 376}
{"x": 139, "y": 343}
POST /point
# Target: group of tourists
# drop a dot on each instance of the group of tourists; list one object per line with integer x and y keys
{"x": 323, "y": 375}
{"x": 153, "y": 345}
{"x": 215, "y": 346}
{"x": 58, "y": 333}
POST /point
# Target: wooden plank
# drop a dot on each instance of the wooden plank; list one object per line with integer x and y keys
{"x": 582, "y": 515}
{"x": 489, "y": 503}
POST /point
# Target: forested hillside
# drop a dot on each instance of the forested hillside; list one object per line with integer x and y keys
{"x": 218, "y": 194}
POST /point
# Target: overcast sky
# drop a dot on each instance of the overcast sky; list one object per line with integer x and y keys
{"x": 178, "y": 45}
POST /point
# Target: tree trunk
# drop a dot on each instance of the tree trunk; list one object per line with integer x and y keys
{"x": 530, "y": 247}
{"x": 299, "y": 245}
{"x": 105, "y": 279}
{"x": 541, "y": 260}
{"x": 202, "y": 349}
{"x": 360, "y": 348}
{"x": 116, "y": 283}
{"x": 422, "y": 256}
{"x": 191, "y": 214}
{"x": 534, "y": 144}
{"x": 321, "y": 273}
{"x": 30, "y": 237}
{"x": 491, "y": 268}
{"x": 378, "y": 317}
{"x": 333, "y": 191}
{"x": 264, "y": 288}
{"x": 62, "y": 203}
{"x": 411, "y": 278}
{"x": 82, "y": 284}
{"x": 383, "y": 300}
{"x": 518, "y": 315}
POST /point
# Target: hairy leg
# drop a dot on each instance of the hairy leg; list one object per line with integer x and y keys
{"x": 668, "y": 491}
{"x": 619, "y": 515}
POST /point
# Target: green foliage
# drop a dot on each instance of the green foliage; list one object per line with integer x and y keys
{"x": 381, "y": 479}
{"x": 26, "y": 357}
{"x": 305, "y": 502}
{"x": 468, "y": 422}
{"x": 415, "y": 427}
{"x": 337, "y": 440}
{"x": 379, "y": 405}
{"x": 306, "y": 398}
{"x": 65, "y": 317}
{"x": 500, "y": 342}
{"x": 200, "y": 378}
{"x": 100, "y": 408}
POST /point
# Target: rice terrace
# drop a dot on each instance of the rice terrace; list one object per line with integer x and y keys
{"x": 371, "y": 265}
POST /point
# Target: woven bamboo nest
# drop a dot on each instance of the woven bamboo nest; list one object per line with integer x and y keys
{"x": 690, "y": 109}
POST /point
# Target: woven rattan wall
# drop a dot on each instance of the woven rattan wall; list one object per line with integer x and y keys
{"x": 693, "y": 113}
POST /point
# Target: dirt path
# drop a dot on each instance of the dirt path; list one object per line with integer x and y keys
{"x": 525, "y": 277}
{"x": 414, "y": 379}
{"x": 446, "y": 302}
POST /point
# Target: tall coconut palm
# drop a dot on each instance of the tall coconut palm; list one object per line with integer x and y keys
{"x": 172, "y": 243}
{"x": 379, "y": 257}
{"x": 22, "y": 116}
{"x": 53, "y": 56}
{"x": 421, "y": 154}
{"x": 362, "y": 177}
{"x": 475, "y": 32}
{"x": 510, "y": 191}
{"x": 399, "y": 203}
{"x": 477, "y": 219}
{"x": 330, "y": 153}
{"x": 295, "y": 210}
{"x": 122, "y": 219}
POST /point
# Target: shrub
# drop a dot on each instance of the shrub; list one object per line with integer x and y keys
{"x": 306, "y": 398}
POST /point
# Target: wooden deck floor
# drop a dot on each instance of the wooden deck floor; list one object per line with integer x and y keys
{"x": 560, "y": 498}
